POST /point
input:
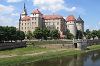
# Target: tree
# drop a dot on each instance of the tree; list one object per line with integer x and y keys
{"x": 29, "y": 35}
{"x": 20, "y": 35}
{"x": 94, "y": 33}
{"x": 87, "y": 34}
{"x": 38, "y": 33}
{"x": 10, "y": 34}
{"x": 54, "y": 34}
{"x": 46, "y": 33}
{"x": 68, "y": 35}
{"x": 79, "y": 34}
{"x": 98, "y": 34}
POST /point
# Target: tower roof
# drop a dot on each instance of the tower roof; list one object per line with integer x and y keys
{"x": 36, "y": 11}
{"x": 24, "y": 12}
{"x": 79, "y": 19}
{"x": 70, "y": 18}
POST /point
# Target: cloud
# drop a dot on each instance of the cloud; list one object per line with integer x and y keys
{"x": 6, "y": 9}
{"x": 13, "y": 1}
{"x": 15, "y": 14}
{"x": 53, "y": 5}
{"x": 8, "y": 16}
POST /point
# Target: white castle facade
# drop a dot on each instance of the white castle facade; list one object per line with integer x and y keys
{"x": 37, "y": 19}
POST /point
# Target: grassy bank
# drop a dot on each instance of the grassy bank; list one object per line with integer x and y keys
{"x": 32, "y": 54}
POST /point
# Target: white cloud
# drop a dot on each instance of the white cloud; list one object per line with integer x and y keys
{"x": 15, "y": 14}
{"x": 53, "y": 5}
{"x": 7, "y": 15}
{"x": 13, "y": 1}
{"x": 6, "y": 9}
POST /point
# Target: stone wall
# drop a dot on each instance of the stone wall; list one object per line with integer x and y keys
{"x": 12, "y": 45}
{"x": 57, "y": 46}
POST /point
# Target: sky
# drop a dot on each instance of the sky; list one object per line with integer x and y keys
{"x": 89, "y": 10}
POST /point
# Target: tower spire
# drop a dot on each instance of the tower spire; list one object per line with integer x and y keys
{"x": 24, "y": 12}
{"x": 24, "y": 6}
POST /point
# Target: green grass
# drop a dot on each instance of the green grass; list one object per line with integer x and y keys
{"x": 94, "y": 47}
{"x": 30, "y": 49}
{"x": 21, "y": 51}
{"x": 23, "y": 59}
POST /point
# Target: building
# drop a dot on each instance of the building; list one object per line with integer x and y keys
{"x": 55, "y": 22}
{"x": 51, "y": 22}
{"x": 75, "y": 24}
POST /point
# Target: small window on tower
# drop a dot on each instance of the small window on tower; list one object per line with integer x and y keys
{"x": 57, "y": 27}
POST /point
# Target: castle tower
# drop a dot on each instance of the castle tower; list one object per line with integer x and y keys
{"x": 71, "y": 24}
{"x": 37, "y": 19}
{"x": 80, "y": 24}
{"x": 24, "y": 12}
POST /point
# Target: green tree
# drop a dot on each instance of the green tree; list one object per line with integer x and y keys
{"x": 38, "y": 34}
{"x": 10, "y": 34}
{"x": 46, "y": 33}
{"x": 68, "y": 35}
{"x": 79, "y": 34}
{"x": 98, "y": 34}
{"x": 54, "y": 34}
{"x": 20, "y": 35}
{"x": 29, "y": 35}
{"x": 88, "y": 34}
{"x": 94, "y": 33}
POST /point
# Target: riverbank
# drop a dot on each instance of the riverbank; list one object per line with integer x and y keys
{"x": 33, "y": 54}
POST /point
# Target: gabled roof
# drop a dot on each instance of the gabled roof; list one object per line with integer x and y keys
{"x": 70, "y": 18}
{"x": 48, "y": 17}
{"x": 26, "y": 18}
{"x": 36, "y": 11}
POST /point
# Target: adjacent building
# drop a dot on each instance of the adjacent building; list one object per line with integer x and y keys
{"x": 51, "y": 22}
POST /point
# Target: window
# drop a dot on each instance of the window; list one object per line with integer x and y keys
{"x": 35, "y": 18}
{"x": 22, "y": 23}
{"x": 25, "y": 23}
{"x": 25, "y": 27}
{"x": 57, "y": 27}
{"x": 28, "y": 23}
{"x": 22, "y": 28}
{"x": 35, "y": 22}
{"x": 57, "y": 23}
{"x": 53, "y": 23}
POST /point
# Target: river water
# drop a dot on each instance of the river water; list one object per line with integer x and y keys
{"x": 87, "y": 59}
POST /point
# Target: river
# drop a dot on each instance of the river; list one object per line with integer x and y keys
{"x": 87, "y": 59}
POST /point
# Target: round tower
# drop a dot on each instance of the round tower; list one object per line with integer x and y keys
{"x": 71, "y": 24}
{"x": 80, "y": 24}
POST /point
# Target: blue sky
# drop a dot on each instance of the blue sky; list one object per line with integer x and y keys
{"x": 88, "y": 9}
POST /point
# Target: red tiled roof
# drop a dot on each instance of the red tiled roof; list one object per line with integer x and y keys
{"x": 26, "y": 18}
{"x": 36, "y": 12}
{"x": 70, "y": 18}
{"x": 48, "y": 17}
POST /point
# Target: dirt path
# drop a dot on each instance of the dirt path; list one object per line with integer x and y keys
{"x": 32, "y": 54}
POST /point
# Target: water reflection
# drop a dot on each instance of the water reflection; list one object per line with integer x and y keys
{"x": 88, "y": 59}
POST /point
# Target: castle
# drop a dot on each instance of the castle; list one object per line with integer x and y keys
{"x": 51, "y": 22}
